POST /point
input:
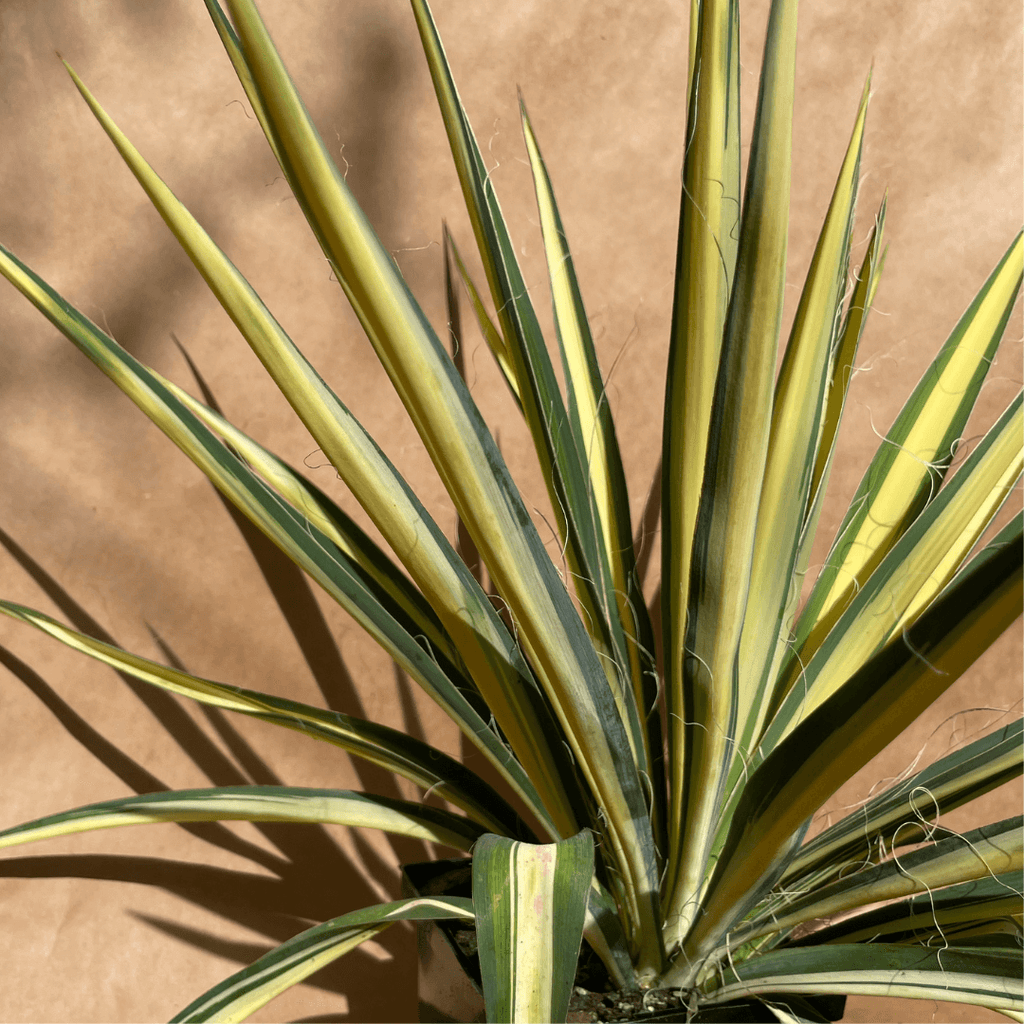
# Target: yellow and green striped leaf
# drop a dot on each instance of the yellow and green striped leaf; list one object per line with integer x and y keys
{"x": 984, "y": 977}
{"x": 841, "y": 372}
{"x": 182, "y": 419}
{"x": 709, "y": 219}
{"x": 961, "y": 509}
{"x": 387, "y": 748}
{"x": 477, "y": 479}
{"x": 257, "y": 803}
{"x": 912, "y": 460}
{"x": 491, "y": 656}
{"x": 983, "y": 852}
{"x": 594, "y": 433}
{"x": 796, "y": 429}
{"x": 989, "y": 905}
{"x": 531, "y": 903}
{"x": 723, "y": 545}
{"x": 840, "y": 375}
{"x": 560, "y": 448}
{"x": 846, "y": 731}
{"x": 241, "y": 995}
{"x": 901, "y": 814}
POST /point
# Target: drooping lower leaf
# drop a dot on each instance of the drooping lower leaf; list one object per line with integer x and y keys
{"x": 981, "y": 976}
{"x": 388, "y": 748}
{"x": 257, "y": 803}
{"x": 235, "y": 998}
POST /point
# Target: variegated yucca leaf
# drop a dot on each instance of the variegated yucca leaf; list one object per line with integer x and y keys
{"x": 845, "y": 731}
{"x": 919, "y": 559}
{"x": 980, "y": 975}
{"x": 387, "y": 748}
{"x": 709, "y": 221}
{"x": 987, "y": 906}
{"x": 548, "y": 627}
{"x": 629, "y": 631}
{"x": 531, "y": 902}
{"x": 239, "y": 996}
{"x": 493, "y": 659}
{"x": 912, "y": 461}
{"x": 988, "y": 851}
{"x": 257, "y": 803}
{"x": 903, "y": 813}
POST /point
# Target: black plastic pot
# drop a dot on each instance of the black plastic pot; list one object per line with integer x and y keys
{"x": 449, "y": 970}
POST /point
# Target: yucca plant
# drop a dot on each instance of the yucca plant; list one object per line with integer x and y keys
{"x": 655, "y": 771}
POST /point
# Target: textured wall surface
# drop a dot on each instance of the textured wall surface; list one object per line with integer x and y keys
{"x": 107, "y": 526}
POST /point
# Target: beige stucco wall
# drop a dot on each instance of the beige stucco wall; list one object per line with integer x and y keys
{"x": 113, "y": 523}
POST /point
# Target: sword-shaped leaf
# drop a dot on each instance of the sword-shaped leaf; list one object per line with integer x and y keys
{"x": 723, "y": 545}
{"x": 709, "y": 219}
{"x": 490, "y": 654}
{"x": 846, "y": 731}
{"x": 991, "y": 904}
{"x": 901, "y": 814}
{"x": 801, "y": 399}
{"x": 841, "y": 374}
{"x": 984, "y": 852}
{"x": 387, "y": 748}
{"x": 182, "y": 419}
{"x": 241, "y": 995}
{"x": 531, "y": 902}
{"x": 594, "y": 431}
{"x": 842, "y": 368}
{"x": 257, "y": 803}
{"x": 320, "y": 510}
{"x": 877, "y": 611}
{"x": 561, "y": 449}
{"x": 911, "y": 462}
{"x": 473, "y": 471}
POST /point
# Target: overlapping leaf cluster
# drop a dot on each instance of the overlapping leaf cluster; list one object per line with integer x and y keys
{"x": 697, "y": 775}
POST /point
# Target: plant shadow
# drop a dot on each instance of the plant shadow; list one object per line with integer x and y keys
{"x": 306, "y": 877}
